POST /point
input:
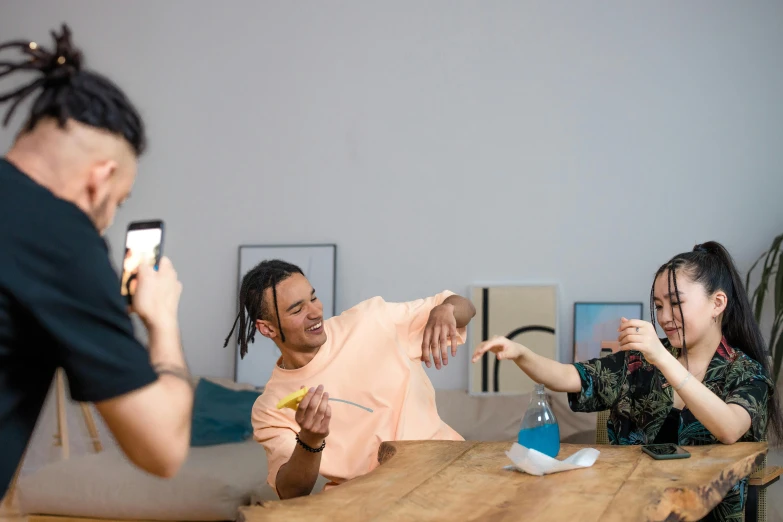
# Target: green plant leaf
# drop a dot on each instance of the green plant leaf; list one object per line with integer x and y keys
{"x": 761, "y": 290}
{"x": 778, "y": 303}
{"x": 753, "y": 300}
{"x": 775, "y": 342}
{"x": 771, "y": 279}
{"x": 775, "y": 347}
{"x": 755, "y": 294}
{"x": 752, "y": 268}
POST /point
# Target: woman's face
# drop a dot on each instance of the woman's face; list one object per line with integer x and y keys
{"x": 698, "y": 308}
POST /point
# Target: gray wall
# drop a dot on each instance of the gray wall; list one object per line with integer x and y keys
{"x": 441, "y": 143}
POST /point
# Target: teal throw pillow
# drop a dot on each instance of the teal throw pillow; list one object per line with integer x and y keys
{"x": 221, "y": 415}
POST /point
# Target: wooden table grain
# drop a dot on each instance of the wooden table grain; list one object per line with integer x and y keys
{"x": 445, "y": 480}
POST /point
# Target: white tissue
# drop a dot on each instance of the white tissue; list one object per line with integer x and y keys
{"x": 536, "y": 463}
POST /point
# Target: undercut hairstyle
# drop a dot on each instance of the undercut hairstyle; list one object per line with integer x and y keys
{"x": 252, "y": 306}
{"x": 68, "y": 91}
{"x": 711, "y": 265}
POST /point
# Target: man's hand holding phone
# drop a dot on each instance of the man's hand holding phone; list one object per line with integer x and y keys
{"x": 156, "y": 300}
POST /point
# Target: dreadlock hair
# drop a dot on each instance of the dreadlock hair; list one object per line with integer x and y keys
{"x": 267, "y": 274}
{"x": 711, "y": 265}
{"x": 69, "y": 92}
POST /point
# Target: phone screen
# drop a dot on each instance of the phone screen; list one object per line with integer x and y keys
{"x": 142, "y": 246}
{"x": 664, "y": 449}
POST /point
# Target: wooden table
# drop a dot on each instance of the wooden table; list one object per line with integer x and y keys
{"x": 443, "y": 480}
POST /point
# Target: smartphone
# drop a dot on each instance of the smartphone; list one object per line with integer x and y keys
{"x": 665, "y": 451}
{"x": 143, "y": 245}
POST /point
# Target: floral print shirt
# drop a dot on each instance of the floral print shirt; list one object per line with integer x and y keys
{"x": 640, "y": 398}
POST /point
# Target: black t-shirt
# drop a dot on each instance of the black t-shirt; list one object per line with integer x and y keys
{"x": 60, "y": 306}
{"x": 670, "y": 429}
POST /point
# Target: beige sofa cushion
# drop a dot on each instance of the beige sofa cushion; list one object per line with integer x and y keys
{"x": 211, "y": 485}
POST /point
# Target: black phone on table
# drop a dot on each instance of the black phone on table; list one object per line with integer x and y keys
{"x": 143, "y": 245}
{"x": 665, "y": 451}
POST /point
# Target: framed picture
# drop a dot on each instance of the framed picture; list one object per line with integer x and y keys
{"x": 318, "y": 262}
{"x": 523, "y": 313}
{"x": 596, "y": 324}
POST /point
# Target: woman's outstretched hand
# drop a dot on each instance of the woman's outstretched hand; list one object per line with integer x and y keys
{"x": 502, "y": 347}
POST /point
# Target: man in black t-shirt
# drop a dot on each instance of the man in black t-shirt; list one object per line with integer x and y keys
{"x": 70, "y": 167}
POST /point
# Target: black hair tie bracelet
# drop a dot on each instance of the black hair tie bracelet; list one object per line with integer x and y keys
{"x": 308, "y": 448}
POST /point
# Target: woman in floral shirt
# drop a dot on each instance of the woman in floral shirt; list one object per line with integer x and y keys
{"x": 707, "y": 387}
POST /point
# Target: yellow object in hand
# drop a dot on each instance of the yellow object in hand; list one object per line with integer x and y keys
{"x": 292, "y": 401}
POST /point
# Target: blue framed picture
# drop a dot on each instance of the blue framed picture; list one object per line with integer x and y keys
{"x": 596, "y": 323}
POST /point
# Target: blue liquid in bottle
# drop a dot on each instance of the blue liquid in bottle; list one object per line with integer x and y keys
{"x": 539, "y": 430}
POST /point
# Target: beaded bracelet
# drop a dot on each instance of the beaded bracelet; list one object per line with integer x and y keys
{"x": 308, "y": 448}
{"x": 677, "y": 388}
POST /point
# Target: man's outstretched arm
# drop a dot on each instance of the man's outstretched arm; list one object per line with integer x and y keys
{"x": 463, "y": 311}
{"x": 152, "y": 424}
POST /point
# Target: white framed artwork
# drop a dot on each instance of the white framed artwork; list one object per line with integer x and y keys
{"x": 526, "y": 313}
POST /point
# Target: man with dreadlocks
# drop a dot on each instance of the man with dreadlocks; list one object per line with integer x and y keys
{"x": 362, "y": 371}
{"x": 69, "y": 168}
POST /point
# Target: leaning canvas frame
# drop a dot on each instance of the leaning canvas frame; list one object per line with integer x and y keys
{"x": 588, "y": 353}
{"x": 319, "y": 263}
{"x": 475, "y": 334}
